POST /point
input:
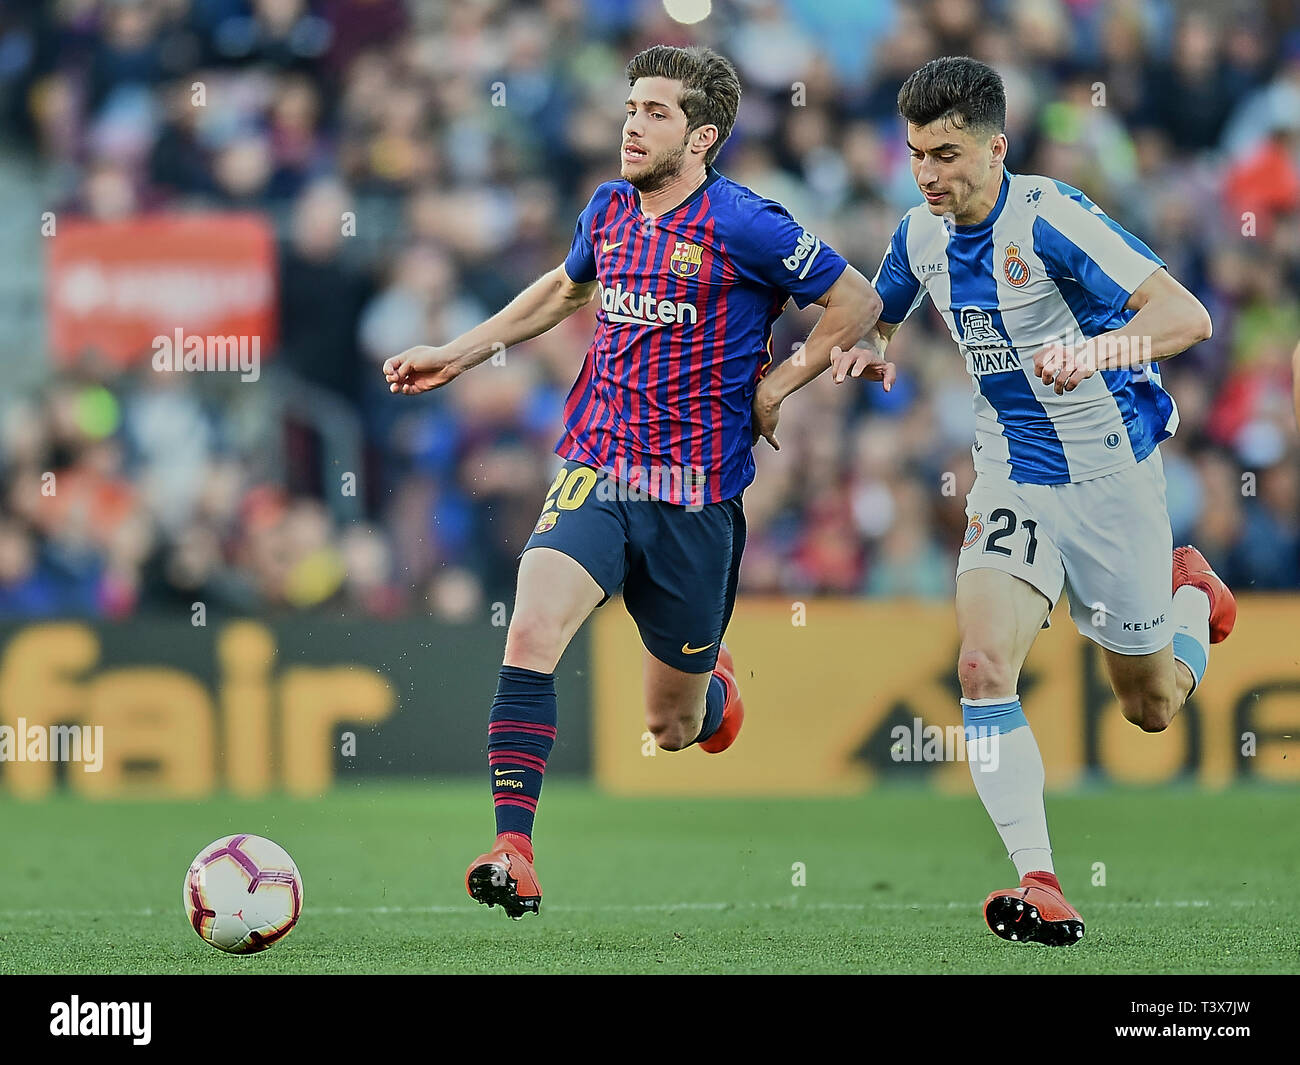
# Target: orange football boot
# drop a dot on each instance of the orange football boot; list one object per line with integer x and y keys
{"x": 733, "y": 710}
{"x": 504, "y": 877}
{"x": 1191, "y": 568}
{"x": 1035, "y": 912}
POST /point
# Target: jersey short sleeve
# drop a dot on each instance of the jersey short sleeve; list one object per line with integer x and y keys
{"x": 765, "y": 244}
{"x": 1075, "y": 239}
{"x": 897, "y": 286}
{"x": 580, "y": 263}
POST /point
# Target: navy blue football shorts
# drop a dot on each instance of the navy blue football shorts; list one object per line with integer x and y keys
{"x": 677, "y": 566}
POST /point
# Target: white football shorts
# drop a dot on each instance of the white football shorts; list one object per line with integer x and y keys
{"x": 1106, "y": 540}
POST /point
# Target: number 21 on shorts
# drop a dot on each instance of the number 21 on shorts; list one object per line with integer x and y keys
{"x": 1001, "y": 527}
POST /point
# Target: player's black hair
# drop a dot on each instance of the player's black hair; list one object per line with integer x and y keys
{"x": 710, "y": 93}
{"x": 962, "y": 90}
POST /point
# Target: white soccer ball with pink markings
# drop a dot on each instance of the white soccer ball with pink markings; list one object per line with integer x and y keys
{"x": 243, "y": 894}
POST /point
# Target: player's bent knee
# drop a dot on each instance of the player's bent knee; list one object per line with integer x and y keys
{"x": 534, "y": 641}
{"x": 984, "y": 675}
{"x": 673, "y": 726}
{"x": 674, "y": 735}
{"x": 1149, "y": 711}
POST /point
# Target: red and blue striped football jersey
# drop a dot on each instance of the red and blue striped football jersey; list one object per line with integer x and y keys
{"x": 684, "y": 333}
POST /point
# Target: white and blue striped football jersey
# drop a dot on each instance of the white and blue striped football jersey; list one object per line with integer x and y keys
{"x": 1046, "y": 265}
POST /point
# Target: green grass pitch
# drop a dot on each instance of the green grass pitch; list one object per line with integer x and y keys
{"x": 1195, "y": 883}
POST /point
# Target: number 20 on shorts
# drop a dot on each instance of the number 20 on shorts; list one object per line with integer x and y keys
{"x": 570, "y": 488}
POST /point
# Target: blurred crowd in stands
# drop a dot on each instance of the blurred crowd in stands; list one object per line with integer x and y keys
{"x": 466, "y": 135}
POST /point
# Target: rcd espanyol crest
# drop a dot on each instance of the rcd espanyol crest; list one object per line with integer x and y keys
{"x": 1015, "y": 269}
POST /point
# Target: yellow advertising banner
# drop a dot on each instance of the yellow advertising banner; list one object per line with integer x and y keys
{"x": 841, "y": 695}
{"x": 160, "y": 708}
{"x": 156, "y": 731}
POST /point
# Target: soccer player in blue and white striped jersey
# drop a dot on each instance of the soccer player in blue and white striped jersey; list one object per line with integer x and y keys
{"x": 1061, "y": 316}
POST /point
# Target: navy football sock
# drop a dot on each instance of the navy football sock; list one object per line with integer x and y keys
{"x": 714, "y": 700}
{"x": 521, "y": 731}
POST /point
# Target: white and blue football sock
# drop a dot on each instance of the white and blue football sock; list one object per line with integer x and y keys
{"x": 1007, "y": 768}
{"x": 1191, "y": 616}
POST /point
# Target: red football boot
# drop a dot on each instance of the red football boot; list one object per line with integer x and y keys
{"x": 733, "y": 710}
{"x": 1035, "y": 912}
{"x": 504, "y": 877}
{"x": 1191, "y": 568}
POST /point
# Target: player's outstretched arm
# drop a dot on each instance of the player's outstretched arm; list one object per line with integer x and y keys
{"x": 867, "y": 362}
{"x": 1169, "y": 320}
{"x": 852, "y": 308}
{"x": 543, "y": 304}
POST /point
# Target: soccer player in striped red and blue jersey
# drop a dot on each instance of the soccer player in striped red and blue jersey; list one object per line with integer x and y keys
{"x": 691, "y": 270}
{"x": 1061, "y": 316}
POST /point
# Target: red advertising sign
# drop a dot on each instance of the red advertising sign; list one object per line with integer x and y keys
{"x": 116, "y": 287}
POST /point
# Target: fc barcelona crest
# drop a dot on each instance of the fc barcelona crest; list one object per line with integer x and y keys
{"x": 686, "y": 259}
{"x": 1015, "y": 269}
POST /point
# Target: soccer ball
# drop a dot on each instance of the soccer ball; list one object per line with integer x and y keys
{"x": 243, "y": 894}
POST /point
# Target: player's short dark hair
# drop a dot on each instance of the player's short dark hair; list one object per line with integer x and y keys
{"x": 710, "y": 93}
{"x": 966, "y": 92}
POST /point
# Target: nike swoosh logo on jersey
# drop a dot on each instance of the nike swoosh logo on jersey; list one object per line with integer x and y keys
{"x": 610, "y": 247}
{"x": 506, "y": 772}
{"x": 687, "y": 649}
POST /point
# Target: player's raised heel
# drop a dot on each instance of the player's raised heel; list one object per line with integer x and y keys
{"x": 1033, "y": 913}
{"x": 504, "y": 878}
{"x": 1191, "y": 567}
